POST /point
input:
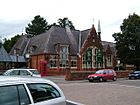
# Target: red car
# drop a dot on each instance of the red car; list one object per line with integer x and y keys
{"x": 103, "y": 75}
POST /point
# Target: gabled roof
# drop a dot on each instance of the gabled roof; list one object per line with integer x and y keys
{"x": 111, "y": 45}
{"x": 20, "y": 45}
{"x": 90, "y": 38}
{"x": 47, "y": 42}
{"x": 4, "y": 56}
{"x": 84, "y": 34}
{"x": 15, "y": 58}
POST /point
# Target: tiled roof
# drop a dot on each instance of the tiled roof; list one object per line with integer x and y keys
{"x": 4, "y": 56}
{"x": 84, "y": 35}
{"x": 15, "y": 58}
{"x": 20, "y": 45}
{"x": 111, "y": 44}
{"x": 46, "y": 42}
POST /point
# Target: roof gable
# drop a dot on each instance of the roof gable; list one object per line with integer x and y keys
{"x": 4, "y": 56}
{"x": 45, "y": 43}
{"x": 90, "y": 38}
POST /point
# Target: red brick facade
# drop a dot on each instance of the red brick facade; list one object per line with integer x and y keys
{"x": 93, "y": 41}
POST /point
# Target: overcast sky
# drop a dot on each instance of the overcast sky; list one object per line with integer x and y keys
{"x": 16, "y": 14}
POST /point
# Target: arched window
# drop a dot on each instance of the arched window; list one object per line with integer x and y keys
{"x": 87, "y": 59}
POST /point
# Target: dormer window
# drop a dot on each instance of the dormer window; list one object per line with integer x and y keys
{"x": 32, "y": 49}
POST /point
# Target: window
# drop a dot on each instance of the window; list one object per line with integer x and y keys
{"x": 9, "y": 95}
{"x": 42, "y": 92}
{"x": 87, "y": 59}
{"x": 64, "y": 52}
{"x": 14, "y": 72}
{"x": 24, "y": 99}
{"x": 53, "y": 61}
{"x": 110, "y": 71}
{"x": 109, "y": 61}
{"x": 73, "y": 61}
{"x": 24, "y": 72}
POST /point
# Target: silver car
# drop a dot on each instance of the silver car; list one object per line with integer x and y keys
{"x": 22, "y": 72}
{"x": 29, "y": 91}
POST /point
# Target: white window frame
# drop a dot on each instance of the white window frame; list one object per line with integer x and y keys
{"x": 74, "y": 60}
{"x": 53, "y": 58}
{"x": 64, "y": 54}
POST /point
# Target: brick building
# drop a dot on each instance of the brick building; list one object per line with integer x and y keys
{"x": 8, "y": 61}
{"x": 67, "y": 49}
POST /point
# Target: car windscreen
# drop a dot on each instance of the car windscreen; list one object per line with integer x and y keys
{"x": 99, "y": 72}
{"x": 34, "y": 72}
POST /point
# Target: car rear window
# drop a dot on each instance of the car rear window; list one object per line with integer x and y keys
{"x": 42, "y": 92}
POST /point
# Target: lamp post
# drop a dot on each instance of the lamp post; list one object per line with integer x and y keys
{"x": 27, "y": 56}
{"x": 99, "y": 57}
{"x": 118, "y": 63}
{"x": 17, "y": 60}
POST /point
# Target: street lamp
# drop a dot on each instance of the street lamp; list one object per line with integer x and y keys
{"x": 17, "y": 56}
{"x": 27, "y": 56}
{"x": 118, "y": 63}
{"x": 99, "y": 57}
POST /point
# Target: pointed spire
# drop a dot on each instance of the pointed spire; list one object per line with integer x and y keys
{"x": 99, "y": 29}
{"x": 93, "y": 22}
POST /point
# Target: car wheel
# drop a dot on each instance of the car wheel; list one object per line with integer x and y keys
{"x": 131, "y": 78}
{"x": 100, "y": 79}
{"x": 114, "y": 78}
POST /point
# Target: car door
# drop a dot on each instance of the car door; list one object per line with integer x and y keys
{"x": 105, "y": 72}
{"x": 110, "y": 74}
{"x": 14, "y": 95}
{"x": 45, "y": 94}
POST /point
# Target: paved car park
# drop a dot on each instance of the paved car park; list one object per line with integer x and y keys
{"x": 120, "y": 92}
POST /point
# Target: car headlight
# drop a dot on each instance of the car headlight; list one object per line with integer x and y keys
{"x": 136, "y": 74}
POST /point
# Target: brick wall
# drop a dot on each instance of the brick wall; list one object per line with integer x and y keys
{"x": 82, "y": 75}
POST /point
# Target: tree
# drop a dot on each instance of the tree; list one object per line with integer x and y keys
{"x": 9, "y": 43}
{"x": 54, "y": 24}
{"x": 63, "y": 23}
{"x": 128, "y": 41}
{"x": 37, "y": 26}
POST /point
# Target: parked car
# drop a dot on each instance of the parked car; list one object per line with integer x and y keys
{"x": 134, "y": 75}
{"x": 103, "y": 75}
{"x": 29, "y": 91}
{"x": 22, "y": 72}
